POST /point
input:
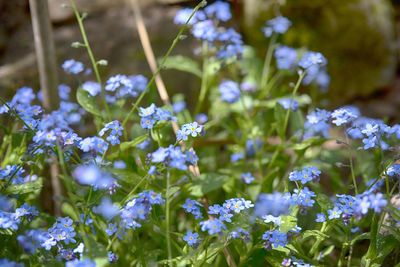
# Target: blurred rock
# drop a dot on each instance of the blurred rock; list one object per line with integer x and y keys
{"x": 357, "y": 37}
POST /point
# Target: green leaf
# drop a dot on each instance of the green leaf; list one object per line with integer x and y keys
{"x": 6, "y": 232}
{"x": 87, "y": 102}
{"x": 206, "y": 183}
{"x": 313, "y": 141}
{"x": 288, "y": 222}
{"x": 315, "y": 233}
{"x": 184, "y": 64}
{"x": 280, "y": 114}
{"x": 327, "y": 251}
{"x": 134, "y": 142}
{"x": 30, "y": 187}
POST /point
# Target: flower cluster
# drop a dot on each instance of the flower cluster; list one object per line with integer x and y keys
{"x": 225, "y": 214}
{"x": 152, "y": 114}
{"x": 205, "y": 26}
{"x": 190, "y": 129}
{"x": 115, "y": 128}
{"x": 174, "y": 157}
{"x": 60, "y": 234}
{"x": 193, "y": 207}
{"x": 277, "y": 25}
{"x": 122, "y": 86}
{"x": 138, "y": 209}
{"x": 230, "y": 91}
{"x": 93, "y": 176}
{"x": 305, "y": 175}
{"x": 11, "y": 220}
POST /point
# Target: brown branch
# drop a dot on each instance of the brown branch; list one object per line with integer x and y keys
{"x": 46, "y": 60}
{"x": 151, "y": 60}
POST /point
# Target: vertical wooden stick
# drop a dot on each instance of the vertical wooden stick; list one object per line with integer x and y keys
{"x": 46, "y": 59}
{"x": 45, "y": 52}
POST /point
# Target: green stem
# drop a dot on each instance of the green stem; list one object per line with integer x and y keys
{"x": 162, "y": 63}
{"x": 167, "y": 220}
{"x": 267, "y": 64}
{"x": 296, "y": 88}
{"x": 204, "y": 79}
{"x": 353, "y": 176}
{"x": 86, "y": 43}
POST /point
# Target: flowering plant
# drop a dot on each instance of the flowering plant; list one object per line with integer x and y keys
{"x": 255, "y": 175}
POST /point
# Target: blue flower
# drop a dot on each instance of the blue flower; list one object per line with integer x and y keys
{"x": 30, "y": 241}
{"x": 239, "y": 233}
{"x": 138, "y": 209}
{"x": 317, "y": 123}
{"x": 378, "y": 202}
{"x": 201, "y": 118}
{"x": 93, "y": 144}
{"x": 72, "y": 66}
{"x": 193, "y": 129}
{"x": 80, "y": 263}
{"x": 64, "y": 91}
{"x": 62, "y": 232}
{"x": 9, "y": 263}
{"x": 303, "y": 197}
{"x": 275, "y": 204}
{"x": 179, "y": 106}
{"x": 112, "y": 258}
{"x": 286, "y": 57}
{"x": 220, "y": 10}
{"x": 117, "y": 82}
{"x": 115, "y": 129}
{"x": 277, "y": 221}
{"x": 247, "y": 177}
{"x": 310, "y": 59}
{"x": 152, "y": 114}
{"x": 111, "y": 229}
{"x": 289, "y": 103}
{"x": 183, "y": 15}
{"x": 25, "y": 211}
{"x": 305, "y": 175}
{"x": 344, "y": 115}
{"x": 212, "y": 226}
{"x": 320, "y": 217}
{"x": 229, "y": 91}
{"x": 93, "y": 88}
{"x": 205, "y": 30}
{"x": 393, "y": 170}
{"x": 236, "y": 157}
{"x": 70, "y": 138}
{"x": 334, "y": 213}
{"x": 193, "y": 207}
{"x": 275, "y": 238}
{"x": 106, "y": 208}
{"x": 92, "y": 175}
{"x": 191, "y": 238}
{"x": 276, "y": 25}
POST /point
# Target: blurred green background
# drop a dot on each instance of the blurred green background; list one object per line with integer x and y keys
{"x": 359, "y": 38}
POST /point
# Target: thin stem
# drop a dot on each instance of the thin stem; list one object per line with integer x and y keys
{"x": 86, "y": 43}
{"x": 296, "y": 87}
{"x": 353, "y": 176}
{"x": 267, "y": 64}
{"x": 204, "y": 79}
{"x": 167, "y": 219}
{"x": 162, "y": 63}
